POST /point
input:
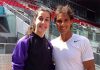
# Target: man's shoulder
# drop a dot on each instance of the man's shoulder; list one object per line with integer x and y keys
{"x": 80, "y": 37}
{"x": 53, "y": 40}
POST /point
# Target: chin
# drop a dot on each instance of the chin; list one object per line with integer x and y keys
{"x": 42, "y": 31}
{"x": 63, "y": 32}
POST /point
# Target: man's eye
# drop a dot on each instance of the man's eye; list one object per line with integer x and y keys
{"x": 59, "y": 21}
{"x": 66, "y": 20}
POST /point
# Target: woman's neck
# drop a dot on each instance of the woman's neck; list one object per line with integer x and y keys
{"x": 40, "y": 34}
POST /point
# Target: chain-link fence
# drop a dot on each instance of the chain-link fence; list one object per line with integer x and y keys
{"x": 5, "y": 61}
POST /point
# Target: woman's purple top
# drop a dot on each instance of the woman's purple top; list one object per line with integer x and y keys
{"x": 20, "y": 53}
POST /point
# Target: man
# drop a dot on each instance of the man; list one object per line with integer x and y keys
{"x": 71, "y": 51}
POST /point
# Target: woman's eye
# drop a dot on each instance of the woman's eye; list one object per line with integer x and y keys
{"x": 47, "y": 20}
{"x": 41, "y": 19}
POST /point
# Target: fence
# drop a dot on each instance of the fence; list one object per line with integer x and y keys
{"x": 5, "y": 61}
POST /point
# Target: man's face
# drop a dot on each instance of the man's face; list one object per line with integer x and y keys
{"x": 63, "y": 23}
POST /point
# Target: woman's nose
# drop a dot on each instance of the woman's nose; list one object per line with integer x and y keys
{"x": 43, "y": 22}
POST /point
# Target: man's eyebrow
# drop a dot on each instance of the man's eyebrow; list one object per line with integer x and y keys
{"x": 66, "y": 19}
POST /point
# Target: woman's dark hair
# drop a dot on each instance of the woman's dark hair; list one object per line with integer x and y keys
{"x": 66, "y": 9}
{"x": 31, "y": 28}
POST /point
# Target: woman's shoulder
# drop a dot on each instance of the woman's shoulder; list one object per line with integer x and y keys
{"x": 23, "y": 39}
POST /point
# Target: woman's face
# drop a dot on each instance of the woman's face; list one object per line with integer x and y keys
{"x": 63, "y": 23}
{"x": 42, "y": 21}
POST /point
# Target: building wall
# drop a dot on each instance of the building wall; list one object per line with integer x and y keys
{"x": 2, "y": 12}
{"x": 11, "y": 18}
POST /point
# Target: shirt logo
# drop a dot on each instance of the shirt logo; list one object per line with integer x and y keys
{"x": 48, "y": 48}
{"x": 76, "y": 41}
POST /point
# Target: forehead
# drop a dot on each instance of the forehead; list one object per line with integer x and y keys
{"x": 62, "y": 16}
{"x": 44, "y": 13}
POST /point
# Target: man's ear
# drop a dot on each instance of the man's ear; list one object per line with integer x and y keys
{"x": 71, "y": 21}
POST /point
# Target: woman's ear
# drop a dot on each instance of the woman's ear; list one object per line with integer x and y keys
{"x": 33, "y": 21}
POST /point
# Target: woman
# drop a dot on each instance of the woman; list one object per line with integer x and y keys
{"x": 71, "y": 51}
{"x": 33, "y": 51}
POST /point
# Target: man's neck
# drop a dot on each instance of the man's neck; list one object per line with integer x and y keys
{"x": 66, "y": 36}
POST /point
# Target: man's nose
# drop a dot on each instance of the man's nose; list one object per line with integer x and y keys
{"x": 62, "y": 24}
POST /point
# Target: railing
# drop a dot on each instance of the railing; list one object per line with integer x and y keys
{"x": 7, "y": 48}
{"x": 5, "y": 59}
{"x": 22, "y": 22}
{"x": 24, "y": 18}
{"x": 97, "y": 58}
